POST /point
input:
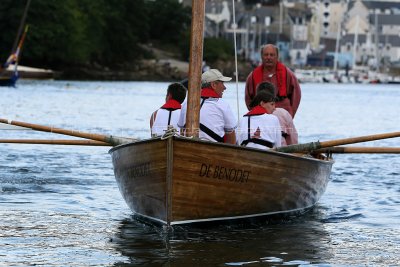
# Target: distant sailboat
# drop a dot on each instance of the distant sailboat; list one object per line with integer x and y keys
{"x": 7, "y": 79}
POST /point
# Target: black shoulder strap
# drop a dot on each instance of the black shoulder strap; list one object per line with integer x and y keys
{"x": 207, "y": 130}
{"x": 255, "y": 140}
{"x": 248, "y": 127}
{"x": 258, "y": 141}
{"x": 169, "y": 117}
{"x": 211, "y": 133}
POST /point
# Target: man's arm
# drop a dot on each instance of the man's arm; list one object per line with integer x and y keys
{"x": 295, "y": 95}
{"x": 152, "y": 119}
{"x": 249, "y": 90}
{"x": 230, "y": 137}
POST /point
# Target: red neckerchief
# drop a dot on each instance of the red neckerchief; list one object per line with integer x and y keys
{"x": 281, "y": 78}
{"x": 172, "y": 104}
{"x": 209, "y": 92}
{"x": 257, "y": 110}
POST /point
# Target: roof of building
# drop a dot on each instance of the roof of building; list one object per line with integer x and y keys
{"x": 384, "y": 19}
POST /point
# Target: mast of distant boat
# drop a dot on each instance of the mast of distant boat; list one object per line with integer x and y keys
{"x": 355, "y": 41}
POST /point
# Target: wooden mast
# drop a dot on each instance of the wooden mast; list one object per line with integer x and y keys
{"x": 195, "y": 64}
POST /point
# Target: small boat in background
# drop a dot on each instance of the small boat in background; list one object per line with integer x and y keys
{"x": 25, "y": 72}
{"x": 9, "y": 71}
{"x": 9, "y": 78}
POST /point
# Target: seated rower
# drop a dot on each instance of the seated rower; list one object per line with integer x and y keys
{"x": 169, "y": 113}
{"x": 289, "y": 132}
{"x": 259, "y": 128}
{"x": 217, "y": 122}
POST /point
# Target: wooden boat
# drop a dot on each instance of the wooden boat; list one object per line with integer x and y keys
{"x": 178, "y": 180}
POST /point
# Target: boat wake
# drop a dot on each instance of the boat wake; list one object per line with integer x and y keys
{"x": 342, "y": 216}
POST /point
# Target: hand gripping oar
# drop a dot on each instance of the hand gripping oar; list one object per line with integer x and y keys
{"x": 112, "y": 140}
{"x": 307, "y": 147}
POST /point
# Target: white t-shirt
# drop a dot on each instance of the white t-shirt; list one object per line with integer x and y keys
{"x": 160, "y": 124}
{"x": 269, "y": 129}
{"x": 215, "y": 114}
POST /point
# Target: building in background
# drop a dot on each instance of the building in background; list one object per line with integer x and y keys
{"x": 317, "y": 33}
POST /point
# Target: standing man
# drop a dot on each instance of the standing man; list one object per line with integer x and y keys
{"x": 217, "y": 122}
{"x": 271, "y": 70}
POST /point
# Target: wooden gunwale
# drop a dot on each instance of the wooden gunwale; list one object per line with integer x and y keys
{"x": 174, "y": 201}
{"x": 281, "y": 154}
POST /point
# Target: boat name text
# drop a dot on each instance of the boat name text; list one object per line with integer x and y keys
{"x": 139, "y": 170}
{"x": 220, "y": 172}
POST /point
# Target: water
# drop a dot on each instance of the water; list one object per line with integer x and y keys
{"x": 60, "y": 205}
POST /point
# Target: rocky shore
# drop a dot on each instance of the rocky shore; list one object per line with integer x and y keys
{"x": 165, "y": 66}
{"x": 151, "y": 70}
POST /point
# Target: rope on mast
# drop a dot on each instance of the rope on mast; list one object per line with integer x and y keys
{"x": 236, "y": 63}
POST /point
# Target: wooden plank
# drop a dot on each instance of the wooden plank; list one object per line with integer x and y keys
{"x": 140, "y": 171}
{"x": 212, "y": 182}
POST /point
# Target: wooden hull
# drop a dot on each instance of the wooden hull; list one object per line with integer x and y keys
{"x": 179, "y": 181}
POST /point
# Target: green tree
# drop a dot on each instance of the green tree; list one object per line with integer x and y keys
{"x": 217, "y": 48}
{"x": 11, "y": 12}
{"x": 84, "y": 33}
{"x": 126, "y": 26}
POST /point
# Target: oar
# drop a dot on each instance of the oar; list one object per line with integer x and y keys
{"x": 366, "y": 150}
{"x": 318, "y": 145}
{"x": 55, "y": 142}
{"x": 4, "y": 126}
{"x": 113, "y": 140}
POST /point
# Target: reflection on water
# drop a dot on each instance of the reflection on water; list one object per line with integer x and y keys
{"x": 60, "y": 205}
{"x": 291, "y": 241}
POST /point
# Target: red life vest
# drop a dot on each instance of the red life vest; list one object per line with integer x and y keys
{"x": 171, "y": 104}
{"x": 281, "y": 78}
{"x": 209, "y": 92}
{"x": 257, "y": 110}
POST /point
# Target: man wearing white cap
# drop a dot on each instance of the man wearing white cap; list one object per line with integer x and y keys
{"x": 217, "y": 122}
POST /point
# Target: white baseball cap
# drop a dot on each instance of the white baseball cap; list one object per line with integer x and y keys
{"x": 213, "y": 75}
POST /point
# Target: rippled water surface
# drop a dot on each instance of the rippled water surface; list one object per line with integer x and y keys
{"x": 60, "y": 205}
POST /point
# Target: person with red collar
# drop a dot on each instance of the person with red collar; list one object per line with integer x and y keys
{"x": 217, "y": 122}
{"x": 169, "y": 113}
{"x": 259, "y": 128}
{"x": 273, "y": 71}
{"x": 289, "y": 132}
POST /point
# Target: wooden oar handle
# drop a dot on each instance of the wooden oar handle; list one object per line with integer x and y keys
{"x": 55, "y": 142}
{"x": 97, "y": 137}
{"x": 317, "y": 145}
{"x": 360, "y": 139}
{"x": 366, "y": 150}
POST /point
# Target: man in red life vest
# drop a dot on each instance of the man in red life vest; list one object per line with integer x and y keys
{"x": 169, "y": 113}
{"x": 271, "y": 70}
